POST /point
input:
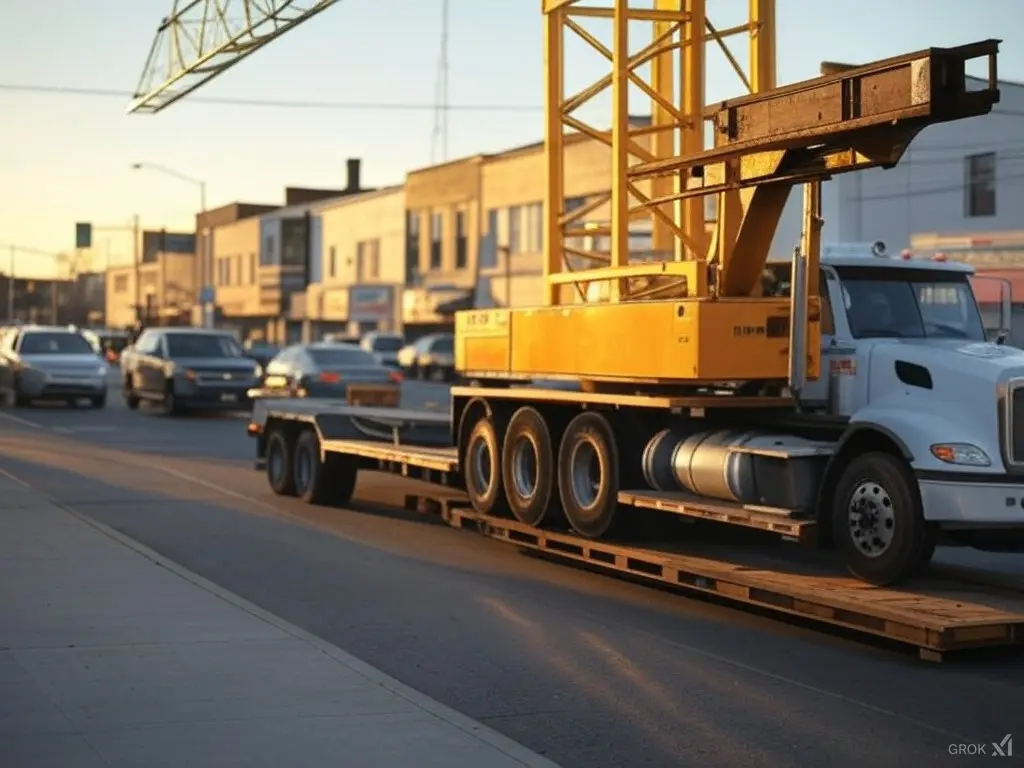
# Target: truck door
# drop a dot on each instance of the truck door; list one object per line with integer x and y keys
{"x": 819, "y": 392}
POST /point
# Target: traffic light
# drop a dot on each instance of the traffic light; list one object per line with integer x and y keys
{"x": 83, "y": 235}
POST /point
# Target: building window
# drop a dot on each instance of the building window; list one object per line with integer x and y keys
{"x": 489, "y": 242}
{"x": 980, "y": 184}
{"x": 293, "y": 242}
{"x": 332, "y": 262}
{"x": 227, "y": 271}
{"x": 368, "y": 260}
{"x": 252, "y": 269}
{"x": 534, "y": 239}
{"x": 461, "y": 243}
{"x": 515, "y": 229}
{"x": 121, "y": 284}
{"x": 412, "y": 247}
{"x": 436, "y": 240}
{"x": 269, "y": 255}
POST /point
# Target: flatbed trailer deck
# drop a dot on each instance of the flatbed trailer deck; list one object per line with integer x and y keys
{"x": 936, "y": 615}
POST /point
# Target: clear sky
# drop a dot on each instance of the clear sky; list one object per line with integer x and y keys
{"x": 66, "y": 157}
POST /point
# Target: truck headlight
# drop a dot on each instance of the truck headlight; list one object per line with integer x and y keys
{"x": 963, "y": 454}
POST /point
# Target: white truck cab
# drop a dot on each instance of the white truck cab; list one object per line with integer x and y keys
{"x": 906, "y": 360}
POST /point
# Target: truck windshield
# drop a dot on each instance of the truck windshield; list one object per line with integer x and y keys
{"x": 910, "y": 305}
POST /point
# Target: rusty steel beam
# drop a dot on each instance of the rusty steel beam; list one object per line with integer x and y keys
{"x": 910, "y": 91}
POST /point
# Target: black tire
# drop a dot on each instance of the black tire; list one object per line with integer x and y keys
{"x": 877, "y": 522}
{"x": 528, "y": 468}
{"x": 590, "y": 504}
{"x": 280, "y": 466}
{"x": 328, "y": 482}
{"x": 131, "y": 400}
{"x": 172, "y": 406}
{"x": 482, "y": 469}
{"x": 21, "y": 401}
{"x": 98, "y": 401}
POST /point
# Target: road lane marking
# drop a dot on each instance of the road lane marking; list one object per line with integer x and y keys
{"x": 23, "y": 422}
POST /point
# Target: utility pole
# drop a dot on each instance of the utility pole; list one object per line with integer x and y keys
{"x": 203, "y": 256}
{"x": 10, "y": 288}
{"x": 138, "y": 267}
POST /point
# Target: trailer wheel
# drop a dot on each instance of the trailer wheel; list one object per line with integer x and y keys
{"x": 588, "y": 475}
{"x": 280, "y": 471}
{"x": 483, "y": 469}
{"x": 528, "y": 467}
{"x": 877, "y": 521}
{"x": 331, "y": 481}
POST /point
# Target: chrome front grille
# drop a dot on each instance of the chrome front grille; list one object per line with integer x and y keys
{"x": 1014, "y": 429}
{"x": 221, "y": 377}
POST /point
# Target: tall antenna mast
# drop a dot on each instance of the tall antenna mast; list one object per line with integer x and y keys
{"x": 440, "y": 134}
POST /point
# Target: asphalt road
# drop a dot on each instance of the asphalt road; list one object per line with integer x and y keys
{"x": 587, "y": 669}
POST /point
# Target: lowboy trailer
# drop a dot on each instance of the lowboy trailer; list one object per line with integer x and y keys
{"x": 315, "y": 449}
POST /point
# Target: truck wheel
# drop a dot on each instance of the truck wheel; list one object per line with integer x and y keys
{"x": 877, "y": 521}
{"x": 483, "y": 469}
{"x": 328, "y": 482}
{"x": 528, "y": 467}
{"x": 280, "y": 467}
{"x": 588, "y": 475}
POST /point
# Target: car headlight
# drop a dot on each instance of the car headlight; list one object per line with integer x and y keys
{"x": 102, "y": 370}
{"x": 257, "y": 372}
{"x": 963, "y": 454}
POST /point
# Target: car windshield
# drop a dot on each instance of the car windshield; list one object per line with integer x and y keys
{"x": 444, "y": 344}
{"x": 387, "y": 344}
{"x": 55, "y": 343}
{"x": 931, "y": 305}
{"x": 340, "y": 357}
{"x": 180, "y": 345}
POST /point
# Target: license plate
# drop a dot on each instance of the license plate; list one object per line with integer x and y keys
{"x": 228, "y": 398}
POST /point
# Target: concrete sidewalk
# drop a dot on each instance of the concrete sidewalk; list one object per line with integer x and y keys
{"x": 112, "y": 656}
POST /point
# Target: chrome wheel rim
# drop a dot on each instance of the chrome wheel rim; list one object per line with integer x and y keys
{"x": 480, "y": 463}
{"x": 524, "y": 468}
{"x": 585, "y": 473}
{"x": 872, "y": 519}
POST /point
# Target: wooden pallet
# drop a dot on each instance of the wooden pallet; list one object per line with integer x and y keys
{"x": 935, "y": 616}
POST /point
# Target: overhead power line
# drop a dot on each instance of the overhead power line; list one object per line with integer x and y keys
{"x": 62, "y": 90}
{"x": 369, "y": 106}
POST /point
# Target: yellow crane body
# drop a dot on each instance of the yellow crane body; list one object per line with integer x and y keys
{"x": 694, "y": 313}
{"x": 645, "y": 342}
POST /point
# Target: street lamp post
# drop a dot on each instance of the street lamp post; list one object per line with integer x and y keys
{"x": 202, "y": 246}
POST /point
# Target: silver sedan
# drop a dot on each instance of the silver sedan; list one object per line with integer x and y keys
{"x": 41, "y": 363}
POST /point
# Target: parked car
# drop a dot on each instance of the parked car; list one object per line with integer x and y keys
{"x": 261, "y": 351}
{"x": 383, "y": 346}
{"x": 43, "y": 363}
{"x": 324, "y": 369}
{"x": 188, "y": 368}
{"x": 431, "y": 357}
